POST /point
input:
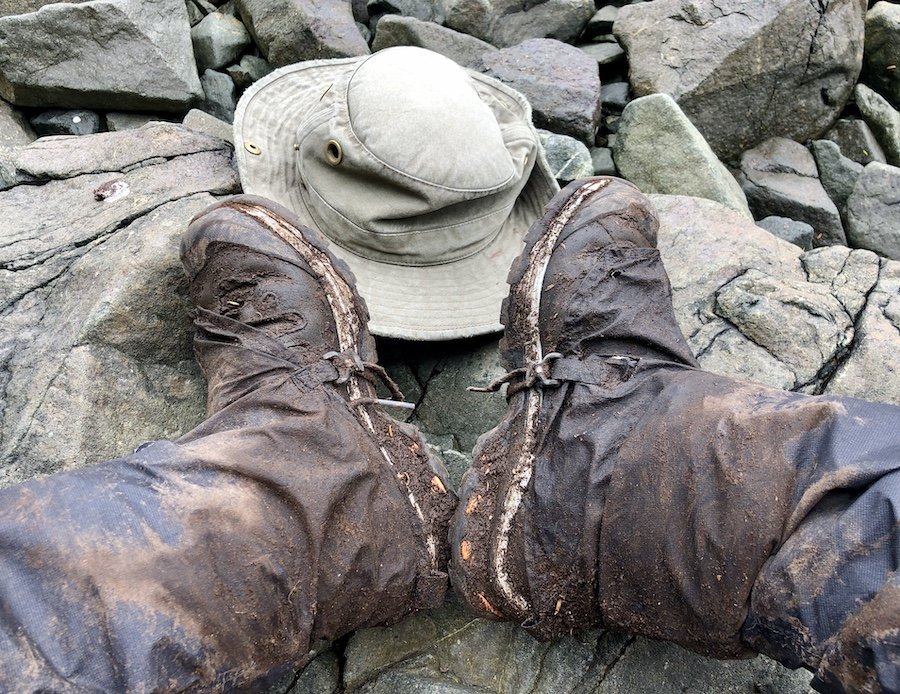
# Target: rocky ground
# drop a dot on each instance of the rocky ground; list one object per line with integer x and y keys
{"x": 767, "y": 133}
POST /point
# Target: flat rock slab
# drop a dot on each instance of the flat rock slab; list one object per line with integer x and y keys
{"x": 561, "y": 83}
{"x": 744, "y": 71}
{"x": 95, "y": 352}
{"x": 134, "y": 54}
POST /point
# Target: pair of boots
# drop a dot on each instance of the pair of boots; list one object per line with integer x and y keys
{"x": 625, "y": 487}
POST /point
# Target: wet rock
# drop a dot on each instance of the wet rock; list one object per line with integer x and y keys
{"x": 465, "y": 50}
{"x": 790, "y": 230}
{"x": 837, "y": 173}
{"x": 60, "y": 122}
{"x": 134, "y": 54}
{"x": 882, "y": 50}
{"x": 221, "y": 97}
{"x": 705, "y": 53}
{"x": 754, "y": 306}
{"x": 505, "y": 23}
{"x": 856, "y": 141}
{"x": 884, "y": 120}
{"x": 218, "y": 41}
{"x": 873, "y": 211}
{"x": 560, "y": 82}
{"x": 602, "y": 160}
{"x": 15, "y": 133}
{"x": 660, "y": 151}
{"x": 95, "y": 352}
{"x": 780, "y": 178}
{"x": 203, "y": 122}
{"x": 568, "y": 158}
{"x": 288, "y": 31}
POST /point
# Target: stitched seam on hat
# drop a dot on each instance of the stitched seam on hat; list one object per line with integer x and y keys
{"x": 345, "y": 105}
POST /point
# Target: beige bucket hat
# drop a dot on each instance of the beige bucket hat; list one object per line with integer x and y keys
{"x": 422, "y": 175}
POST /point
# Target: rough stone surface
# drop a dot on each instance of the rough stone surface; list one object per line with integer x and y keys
{"x": 219, "y": 40}
{"x": 15, "y": 133}
{"x": 505, "y": 23}
{"x": 221, "y": 96}
{"x": 288, "y": 31}
{"x": 8, "y": 7}
{"x": 203, "y": 122}
{"x": 95, "y": 350}
{"x": 873, "y": 211}
{"x": 790, "y": 230}
{"x": 881, "y": 62}
{"x": 60, "y": 122}
{"x": 135, "y": 54}
{"x": 449, "y": 652}
{"x": 745, "y": 71}
{"x": 754, "y": 306}
{"x": 837, "y": 173}
{"x": 884, "y": 120}
{"x": 397, "y": 30}
{"x": 856, "y": 140}
{"x": 780, "y": 178}
{"x": 569, "y": 159}
{"x": 660, "y": 151}
{"x": 560, "y": 82}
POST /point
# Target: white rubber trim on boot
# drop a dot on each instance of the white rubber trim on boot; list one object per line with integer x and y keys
{"x": 340, "y": 299}
{"x": 533, "y": 280}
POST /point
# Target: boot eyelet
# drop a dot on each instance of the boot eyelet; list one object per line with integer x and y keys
{"x": 334, "y": 153}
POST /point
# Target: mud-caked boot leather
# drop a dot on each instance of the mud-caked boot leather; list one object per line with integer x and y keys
{"x": 298, "y": 510}
{"x": 630, "y": 489}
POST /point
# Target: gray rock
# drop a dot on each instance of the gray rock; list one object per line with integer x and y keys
{"x": 660, "y": 151}
{"x": 761, "y": 308}
{"x": 505, "y": 23}
{"x": 396, "y": 30}
{"x": 604, "y": 53}
{"x": 288, "y": 31}
{"x": 128, "y": 121}
{"x": 881, "y": 62}
{"x": 602, "y": 22}
{"x": 706, "y": 54}
{"x": 423, "y": 10}
{"x": 560, "y": 81}
{"x": 320, "y": 676}
{"x": 873, "y": 211}
{"x": 569, "y": 159}
{"x": 614, "y": 96}
{"x": 602, "y": 160}
{"x": 780, "y": 178}
{"x": 60, "y": 122}
{"x": 884, "y": 120}
{"x": 250, "y": 69}
{"x": 218, "y": 40}
{"x": 837, "y": 173}
{"x": 790, "y": 230}
{"x": 856, "y": 140}
{"x": 135, "y": 54}
{"x": 95, "y": 352}
{"x": 203, "y": 122}
{"x": 221, "y": 98}
{"x": 15, "y": 133}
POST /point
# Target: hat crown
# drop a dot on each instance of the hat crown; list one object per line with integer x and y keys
{"x": 410, "y": 160}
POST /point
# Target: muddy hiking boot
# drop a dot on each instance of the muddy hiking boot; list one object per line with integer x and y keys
{"x": 298, "y": 510}
{"x": 629, "y": 489}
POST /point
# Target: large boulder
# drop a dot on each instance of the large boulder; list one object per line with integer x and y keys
{"x": 561, "y": 83}
{"x": 780, "y": 178}
{"x": 95, "y": 352}
{"x": 659, "y": 150}
{"x": 505, "y": 23}
{"x": 289, "y": 31}
{"x": 873, "y": 211}
{"x": 744, "y": 71}
{"x": 134, "y": 54}
{"x": 882, "y": 51}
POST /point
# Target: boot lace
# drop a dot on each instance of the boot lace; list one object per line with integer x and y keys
{"x": 349, "y": 364}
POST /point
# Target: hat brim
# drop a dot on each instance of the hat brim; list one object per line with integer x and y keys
{"x": 435, "y": 302}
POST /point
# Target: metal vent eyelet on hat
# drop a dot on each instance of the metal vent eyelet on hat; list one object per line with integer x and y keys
{"x": 334, "y": 153}
{"x": 252, "y": 147}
